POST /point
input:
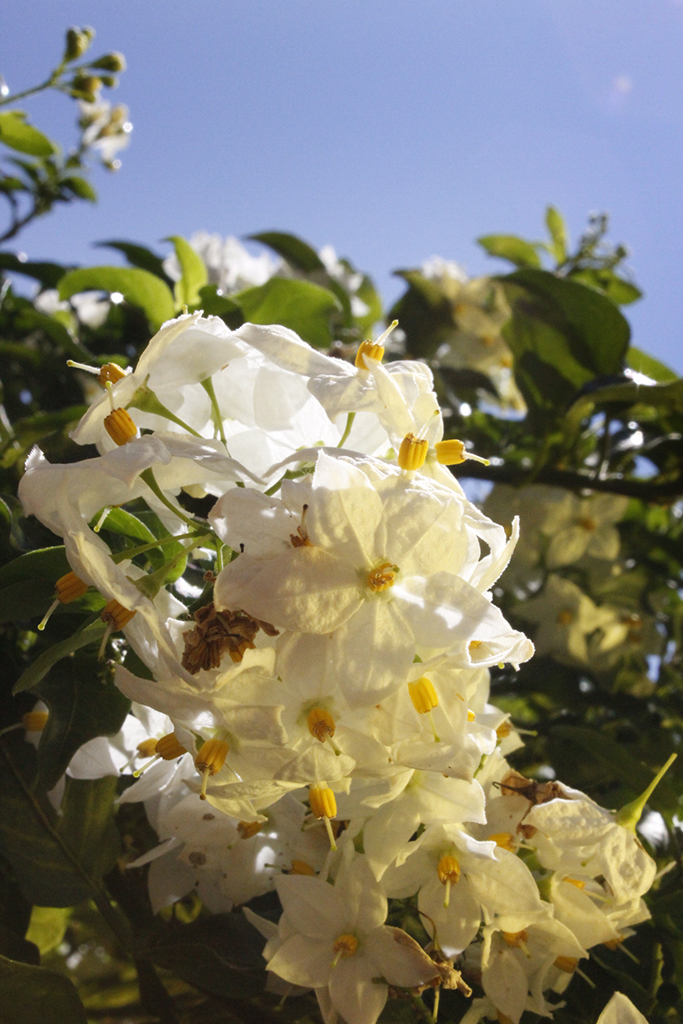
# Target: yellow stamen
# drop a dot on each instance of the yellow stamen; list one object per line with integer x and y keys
{"x": 323, "y": 805}
{"x": 115, "y": 615}
{"x": 68, "y": 588}
{"x": 169, "y": 747}
{"x": 471, "y": 716}
{"x": 300, "y": 867}
{"x": 120, "y": 426}
{"x": 345, "y": 945}
{"x": 515, "y": 939}
{"x": 34, "y": 721}
{"x": 210, "y": 760}
{"x": 423, "y": 695}
{"x": 501, "y": 1018}
{"x": 568, "y": 964}
{"x": 247, "y": 829}
{"x": 448, "y": 871}
{"x": 474, "y": 644}
{"x": 413, "y": 452}
{"x": 383, "y": 577}
{"x": 320, "y": 724}
{"x": 575, "y": 881}
{"x": 453, "y": 453}
{"x": 565, "y": 617}
{"x": 505, "y": 840}
{"x": 147, "y": 748}
{"x": 504, "y": 729}
{"x": 370, "y": 349}
{"x": 110, "y": 373}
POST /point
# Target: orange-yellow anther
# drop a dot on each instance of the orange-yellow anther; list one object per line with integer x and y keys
{"x": 300, "y": 867}
{"x": 381, "y": 578}
{"x": 320, "y": 724}
{"x": 588, "y": 524}
{"x": 247, "y": 829}
{"x": 575, "y": 881}
{"x": 413, "y": 452}
{"x": 371, "y": 350}
{"x": 322, "y": 801}
{"x": 448, "y": 869}
{"x": 34, "y": 721}
{"x": 147, "y": 748}
{"x": 69, "y": 588}
{"x": 504, "y": 729}
{"x": 614, "y": 943}
{"x": 423, "y": 695}
{"x": 505, "y": 840}
{"x": 568, "y": 964}
{"x": 453, "y": 453}
{"x": 115, "y": 615}
{"x": 471, "y": 716}
{"x": 237, "y": 653}
{"x": 474, "y": 644}
{"x": 209, "y": 760}
{"x": 169, "y": 747}
{"x": 345, "y": 945}
{"x": 120, "y": 426}
{"x": 110, "y": 374}
{"x": 515, "y": 939}
{"x": 565, "y": 617}
{"x": 501, "y": 1018}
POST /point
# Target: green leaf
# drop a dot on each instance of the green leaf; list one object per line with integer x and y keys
{"x": 574, "y": 331}
{"x": 80, "y": 187}
{"x": 642, "y": 362}
{"x": 124, "y": 523}
{"x": 512, "y": 248}
{"x": 667, "y": 397}
{"x": 47, "y": 927}
{"x": 86, "y": 823}
{"x": 48, "y": 274}
{"x": 304, "y": 307}
{"x": 605, "y": 280}
{"x": 138, "y": 287}
{"x": 81, "y": 707}
{"x": 220, "y": 954}
{"x": 140, "y": 256}
{"x": 16, "y": 133}
{"x": 34, "y": 995}
{"x": 558, "y": 232}
{"x": 29, "y": 836}
{"x": 30, "y": 319}
{"x": 193, "y": 272}
{"x": 298, "y": 253}
{"x": 38, "y": 669}
{"x": 213, "y": 304}
{"x": 43, "y": 564}
{"x": 15, "y": 947}
{"x": 26, "y": 599}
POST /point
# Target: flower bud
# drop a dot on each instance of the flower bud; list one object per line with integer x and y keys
{"x": 77, "y": 42}
{"x": 114, "y": 61}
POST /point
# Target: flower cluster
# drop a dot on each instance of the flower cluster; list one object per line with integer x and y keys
{"x": 307, "y": 592}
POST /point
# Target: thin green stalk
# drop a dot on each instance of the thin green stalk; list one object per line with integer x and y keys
{"x": 148, "y": 476}
{"x": 347, "y": 430}
{"x": 121, "y": 556}
{"x": 207, "y": 384}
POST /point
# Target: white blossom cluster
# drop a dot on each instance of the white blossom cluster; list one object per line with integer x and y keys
{"x": 320, "y": 724}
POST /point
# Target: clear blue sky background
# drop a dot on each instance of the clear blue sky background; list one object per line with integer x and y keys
{"x": 393, "y": 129}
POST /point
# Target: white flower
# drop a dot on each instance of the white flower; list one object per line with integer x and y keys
{"x": 620, "y": 1010}
{"x": 380, "y": 571}
{"x": 336, "y": 939}
{"x": 228, "y": 263}
{"x": 565, "y": 616}
{"x": 578, "y": 526}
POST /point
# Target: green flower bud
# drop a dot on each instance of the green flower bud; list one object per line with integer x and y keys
{"x": 109, "y": 81}
{"x": 86, "y": 87}
{"x": 110, "y": 62}
{"x": 77, "y": 43}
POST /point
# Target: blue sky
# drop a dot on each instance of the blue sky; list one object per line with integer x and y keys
{"x": 392, "y": 129}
